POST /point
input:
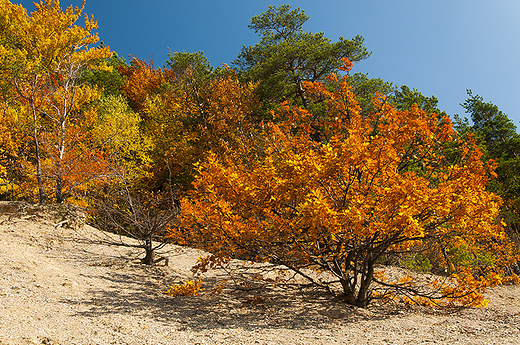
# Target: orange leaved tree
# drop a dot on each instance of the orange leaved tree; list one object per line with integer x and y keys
{"x": 367, "y": 187}
{"x": 142, "y": 81}
{"x": 186, "y": 113}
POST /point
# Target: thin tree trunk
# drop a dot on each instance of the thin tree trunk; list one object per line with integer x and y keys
{"x": 301, "y": 93}
{"x": 366, "y": 280}
{"x": 59, "y": 189}
{"x": 39, "y": 178}
{"x": 59, "y": 163}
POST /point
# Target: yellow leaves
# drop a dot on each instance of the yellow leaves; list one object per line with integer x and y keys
{"x": 44, "y": 55}
{"x": 190, "y": 288}
{"x": 49, "y": 41}
{"x": 116, "y": 129}
{"x": 50, "y": 36}
{"x": 405, "y": 281}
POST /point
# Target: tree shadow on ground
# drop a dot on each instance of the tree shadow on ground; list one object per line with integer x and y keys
{"x": 139, "y": 291}
{"x": 129, "y": 289}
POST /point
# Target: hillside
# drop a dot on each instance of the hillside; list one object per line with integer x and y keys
{"x": 62, "y": 285}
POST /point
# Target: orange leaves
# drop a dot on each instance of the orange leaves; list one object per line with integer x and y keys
{"x": 187, "y": 117}
{"x": 347, "y": 65}
{"x": 142, "y": 81}
{"x": 465, "y": 290}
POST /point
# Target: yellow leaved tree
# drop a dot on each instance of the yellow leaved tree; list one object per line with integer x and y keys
{"x": 343, "y": 192}
{"x": 43, "y": 57}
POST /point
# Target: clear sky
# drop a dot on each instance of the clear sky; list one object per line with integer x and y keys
{"x": 440, "y": 47}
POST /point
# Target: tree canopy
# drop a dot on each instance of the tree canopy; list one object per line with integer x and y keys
{"x": 287, "y": 55}
{"x": 380, "y": 185}
{"x": 497, "y": 136}
{"x": 43, "y": 57}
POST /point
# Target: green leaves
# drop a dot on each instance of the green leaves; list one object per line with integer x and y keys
{"x": 280, "y": 23}
{"x": 287, "y": 55}
{"x": 496, "y": 135}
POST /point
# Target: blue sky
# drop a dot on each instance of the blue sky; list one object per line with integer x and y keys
{"x": 440, "y": 47}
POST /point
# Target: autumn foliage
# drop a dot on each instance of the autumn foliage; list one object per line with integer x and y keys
{"x": 376, "y": 186}
{"x": 42, "y": 57}
{"x": 329, "y": 186}
{"x": 190, "y": 288}
{"x": 185, "y": 117}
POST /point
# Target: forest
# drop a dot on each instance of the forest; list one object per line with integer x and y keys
{"x": 286, "y": 157}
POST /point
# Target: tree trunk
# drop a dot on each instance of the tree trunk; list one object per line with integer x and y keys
{"x": 359, "y": 298}
{"x": 301, "y": 93}
{"x": 366, "y": 281}
{"x": 39, "y": 178}
{"x": 148, "y": 259}
{"x": 59, "y": 190}
{"x": 61, "y": 155}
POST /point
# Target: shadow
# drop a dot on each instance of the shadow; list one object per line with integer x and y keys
{"x": 139, "y": 291}
{"x": 128, "y": 289}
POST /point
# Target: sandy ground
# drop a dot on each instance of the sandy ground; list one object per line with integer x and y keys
{"x": 60, "y": 286}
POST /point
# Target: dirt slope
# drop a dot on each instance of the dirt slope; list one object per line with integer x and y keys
{"x": 59, "y": 286}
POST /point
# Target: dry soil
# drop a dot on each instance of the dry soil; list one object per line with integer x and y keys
{"x": 63, "y": 285}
